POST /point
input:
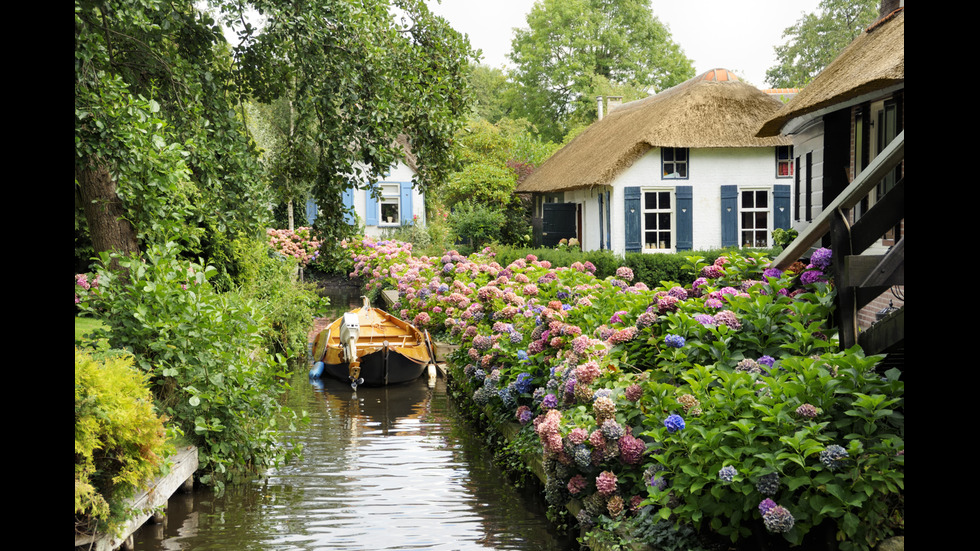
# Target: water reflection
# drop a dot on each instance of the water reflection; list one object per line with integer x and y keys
{"x": 383, "y": 468}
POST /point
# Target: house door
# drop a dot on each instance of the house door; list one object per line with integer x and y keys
{"x": 559, "y": 221}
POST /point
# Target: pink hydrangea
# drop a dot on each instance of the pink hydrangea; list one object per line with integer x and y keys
{"x": 606, "y": 483}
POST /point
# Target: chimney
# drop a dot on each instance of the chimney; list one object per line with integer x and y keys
{"x": 599, "y": 102}
{"x": 888, "y": 6}
{"x": 614, "y": 102}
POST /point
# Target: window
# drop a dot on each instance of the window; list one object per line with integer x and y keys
{"x": 390, "y": 205}
{"x": 658, "y": 216}
{"x": 674, "y": 161}
{"x": 754, "y": 213}
{"x": 784, "y": 161}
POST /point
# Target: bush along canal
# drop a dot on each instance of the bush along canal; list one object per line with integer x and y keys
{"x": 382, "y": 468}
{"x": 714, "y": 413}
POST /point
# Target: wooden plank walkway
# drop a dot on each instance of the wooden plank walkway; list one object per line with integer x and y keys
{"x": 183, "y": 466}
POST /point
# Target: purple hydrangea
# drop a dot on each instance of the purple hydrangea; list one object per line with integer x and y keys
{"x": 778, "y": 520}
{"x": 821, "y": 258}
{"x": 674, "y": 422}
{"x": 766, "y": 505}
{"x": 550, "y": 401}
{"x": 812, "y": 276}
{"x": 767, "y": 361}
{"x": 772, "y": 272}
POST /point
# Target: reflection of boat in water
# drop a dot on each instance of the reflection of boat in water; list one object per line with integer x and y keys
{"x": 370, "y": 346}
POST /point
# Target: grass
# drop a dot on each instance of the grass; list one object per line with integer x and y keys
{"x": 84, "y": 327}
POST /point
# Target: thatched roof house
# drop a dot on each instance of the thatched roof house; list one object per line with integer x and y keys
{"x": 875, "y": 61}
{"x": 712, "y": 110}
{"x": 846, "y": 116}
{"x": 675, "y": 171}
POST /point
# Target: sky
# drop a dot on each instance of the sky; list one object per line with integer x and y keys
{"x": 739, "y": 35}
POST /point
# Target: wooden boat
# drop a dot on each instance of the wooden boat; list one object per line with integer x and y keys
{"x": 370, "y": 346}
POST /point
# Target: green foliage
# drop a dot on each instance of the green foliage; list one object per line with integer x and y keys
{"x": 751, "y": 422}
{"x": 204, "y": 355}
{"x": 572, "y": 50}
{"x": 159, "y": 148}
{"x": 816, "y": 39}
{"x": 268, "y": 280}
{"x": 476, "y": 223}
{"x": 354, "y": 79}
{"x": 120, "y": 441}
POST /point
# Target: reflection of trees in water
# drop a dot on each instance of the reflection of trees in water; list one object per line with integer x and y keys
{"x": 355, "y": 474}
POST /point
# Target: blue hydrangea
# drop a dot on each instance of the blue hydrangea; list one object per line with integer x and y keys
{"x": 522, "y": 355}
{"x": 674, "y": 422}
{"x": 833, "y": 457}
{"x": 727, "y": 473}
{"x": 523, "y": 383}
{"x": 582, "y": 456}
{"x": 768, "y": 484}
{"x": 506, "y": 397}
{"x": 674, "y": 341}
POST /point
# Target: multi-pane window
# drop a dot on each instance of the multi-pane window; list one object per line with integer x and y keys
{"x": 390, "y": 204}
{"x": 674, "y": 161}
{"x": 657, "y": 220}
{"x": 754, "y": 211}
{"x": 784, "y": 161}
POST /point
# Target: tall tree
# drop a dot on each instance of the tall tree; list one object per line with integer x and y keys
{"x": 159, "y": 148}
{"x": 358, "y": 74}
{"x": 817, "y": 38}
{"x": 158, "y": 92}
{"x": 572, "y": 48}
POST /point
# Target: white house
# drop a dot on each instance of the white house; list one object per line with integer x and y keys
{"x": 400, "y": 203}
{"x": 680, "y": 170}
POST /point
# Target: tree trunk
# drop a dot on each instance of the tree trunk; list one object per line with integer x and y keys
{"x": 107, "y": 224}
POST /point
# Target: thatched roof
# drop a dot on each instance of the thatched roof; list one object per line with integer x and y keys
{"x": 874, "y": 61}
{"x": 713, "y": 110}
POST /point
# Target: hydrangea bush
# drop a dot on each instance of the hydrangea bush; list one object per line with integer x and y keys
{"x": 299, "y": 244}
{"x": 722, "y": 403}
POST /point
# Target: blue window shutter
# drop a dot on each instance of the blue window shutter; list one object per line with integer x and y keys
{"x": 631, "y": 200}
{"x": 348, "y": 199}
{"x": 781, "y": 204}
{"x": 608, "y": 222}
{"x": 371, "y": 210}
{"x": 310, "y": 211}
{"x": 729, "y": 216}
{"x": 684, "y": 196}
{"x": 602, "y": 227}
{"x": 406, "y": 206}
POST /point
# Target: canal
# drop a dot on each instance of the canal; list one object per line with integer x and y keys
{"x": 382, "y": 468}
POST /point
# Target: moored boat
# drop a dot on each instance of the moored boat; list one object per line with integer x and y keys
{"x": 370, "y": 346}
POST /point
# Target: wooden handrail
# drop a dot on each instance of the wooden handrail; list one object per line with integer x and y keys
{"x": 879, "y": 167}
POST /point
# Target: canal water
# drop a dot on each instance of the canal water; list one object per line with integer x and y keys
{"x": 382, "y": 468}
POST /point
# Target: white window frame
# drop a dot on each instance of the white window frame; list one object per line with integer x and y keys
{"x": 658, "y": 210}
{"x": 789, "y": 161}
{"x": 391, "y": 194}
{"x": 753, "y": 210}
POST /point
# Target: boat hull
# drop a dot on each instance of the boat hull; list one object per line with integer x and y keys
{"x": 377, "y": 372}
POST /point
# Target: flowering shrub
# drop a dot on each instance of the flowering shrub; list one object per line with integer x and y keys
{"x": 720, "y": 404}
{"x": 299, "y": 244}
